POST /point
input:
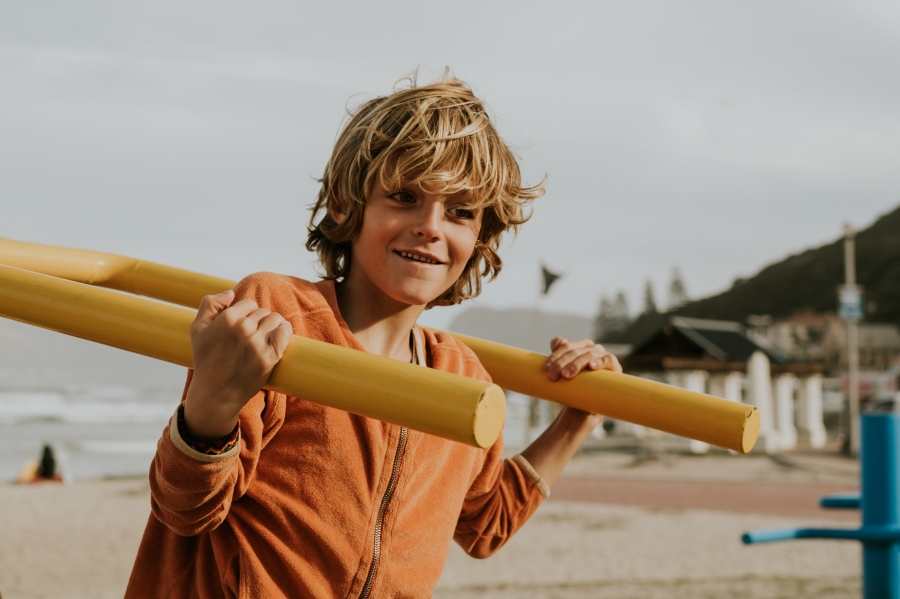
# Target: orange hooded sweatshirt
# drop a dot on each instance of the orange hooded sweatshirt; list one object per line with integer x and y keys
{"x": 317, "y": 502}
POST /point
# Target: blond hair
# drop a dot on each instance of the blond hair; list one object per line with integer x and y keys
{"x": 436, "y": 136}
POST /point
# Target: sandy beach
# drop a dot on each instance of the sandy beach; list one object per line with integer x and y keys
{"x": 617, "y": 527}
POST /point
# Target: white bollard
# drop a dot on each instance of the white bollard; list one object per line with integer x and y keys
{"x": 810, "y": 410}
{"x": 760, "y": 396}
{"x": 784, "y": 413}
{"x": 734, "y": 387}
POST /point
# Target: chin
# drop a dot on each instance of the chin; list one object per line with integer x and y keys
{"x": 417, "y": 297}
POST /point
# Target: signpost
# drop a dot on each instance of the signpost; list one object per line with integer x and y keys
{"x": 850, "y": 309}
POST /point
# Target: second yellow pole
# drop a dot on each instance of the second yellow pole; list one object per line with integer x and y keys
{"x": 624, "y": 397}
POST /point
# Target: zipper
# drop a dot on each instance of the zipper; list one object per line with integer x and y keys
{"x": 379, "y": 522}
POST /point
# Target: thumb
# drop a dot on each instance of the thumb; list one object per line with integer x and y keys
{"x": 211, "y": 306}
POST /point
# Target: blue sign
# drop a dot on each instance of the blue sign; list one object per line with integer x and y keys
{"x": 850, "y": 307}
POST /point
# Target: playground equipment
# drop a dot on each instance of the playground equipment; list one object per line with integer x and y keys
{"x": 879, "y": 503}
{"x": 424, "y": 399}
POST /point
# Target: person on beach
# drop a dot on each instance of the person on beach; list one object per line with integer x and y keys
{"x": 40, "y": 471}
{"x": 255, "y": 494}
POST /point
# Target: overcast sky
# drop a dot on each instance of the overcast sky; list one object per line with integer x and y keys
{"x": 714, "y": 136}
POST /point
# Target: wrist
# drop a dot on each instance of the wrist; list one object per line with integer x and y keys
{"x": 577, "y": 421}
{"x": 206, "y": 419}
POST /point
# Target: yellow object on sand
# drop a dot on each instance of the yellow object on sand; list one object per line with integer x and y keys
{"x": 384, "y": 389}
{"x": 28, "y": 473}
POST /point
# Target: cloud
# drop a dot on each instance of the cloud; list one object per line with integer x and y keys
{"x": 714, "y": 136}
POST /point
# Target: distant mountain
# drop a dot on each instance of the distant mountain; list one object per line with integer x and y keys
{"x": 513, "y": 326}
{"x": 806, "y": 281}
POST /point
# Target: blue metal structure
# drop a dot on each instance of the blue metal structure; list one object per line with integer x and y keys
{"x": 879, "y": 503}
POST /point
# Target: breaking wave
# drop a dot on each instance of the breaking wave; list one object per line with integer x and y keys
{"x": 93, "y": 406}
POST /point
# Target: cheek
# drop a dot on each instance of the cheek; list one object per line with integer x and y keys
{"x": 464, "y": 245}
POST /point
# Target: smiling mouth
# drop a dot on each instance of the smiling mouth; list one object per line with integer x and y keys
{"x": 417, "y": 257}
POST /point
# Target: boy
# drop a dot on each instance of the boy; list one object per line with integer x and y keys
{"x": 255, "y": 494}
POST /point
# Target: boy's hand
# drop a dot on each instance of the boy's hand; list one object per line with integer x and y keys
{"x": 567, "y": 360}
{"x": 571, "y": 357}
{"x": 235, "y": 348}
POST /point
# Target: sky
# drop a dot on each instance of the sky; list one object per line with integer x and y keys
{"x": 713, "y": 137}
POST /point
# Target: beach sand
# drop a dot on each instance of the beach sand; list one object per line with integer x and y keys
{"x": 79, "y": 541}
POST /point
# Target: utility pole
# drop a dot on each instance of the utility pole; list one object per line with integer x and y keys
{"x": 849, "y": 295}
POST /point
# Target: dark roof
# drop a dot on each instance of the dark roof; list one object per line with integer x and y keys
{"x": 721, "y": 340}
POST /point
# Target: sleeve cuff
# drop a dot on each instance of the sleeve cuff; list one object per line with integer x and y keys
{"x": 528, "y": 469}
{"x": 189, "y": 451}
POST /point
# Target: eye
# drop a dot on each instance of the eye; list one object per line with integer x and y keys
{"x": 463, "y": 212}
{"x": 404, "y": 197}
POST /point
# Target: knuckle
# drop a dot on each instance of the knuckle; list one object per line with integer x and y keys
{"x": 246, "y": 326}
{"x": 247, "y": 304}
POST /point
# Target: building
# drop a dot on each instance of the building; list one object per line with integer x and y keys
{"x": 822, "y": 338}
{"x": 722, "y": 358}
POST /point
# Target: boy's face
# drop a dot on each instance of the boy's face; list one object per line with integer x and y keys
{"x": 414, "y": 244}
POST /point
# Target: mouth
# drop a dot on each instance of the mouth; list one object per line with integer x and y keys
{"x": 418, "y": 257}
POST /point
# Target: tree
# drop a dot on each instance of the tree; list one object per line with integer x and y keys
{"x": 649, "y": 299}
{"x": 620, "y": 310}
{"x": 603, "y": 322}
{"x": 677, "y": 292}
{"x": 612, "y": 318}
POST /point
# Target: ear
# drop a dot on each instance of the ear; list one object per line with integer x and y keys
{"x": 339, "y": 216}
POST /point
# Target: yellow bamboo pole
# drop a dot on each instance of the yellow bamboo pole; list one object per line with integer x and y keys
{"x": 150, "y": 279}
{"x": 423, "y": 399}
{"x": 663, "y": 407}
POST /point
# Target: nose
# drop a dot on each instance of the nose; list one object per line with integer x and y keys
{"x": 430, "y": 217}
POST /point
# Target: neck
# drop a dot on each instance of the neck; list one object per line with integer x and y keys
{"x": 380, "y": 323}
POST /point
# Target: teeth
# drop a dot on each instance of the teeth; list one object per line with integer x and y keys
{"x": 419, "y": 258}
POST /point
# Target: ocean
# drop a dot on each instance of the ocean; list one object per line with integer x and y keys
{"x": 104, "y": 432}
{"x": 103, "y": 410}
{"x": 94, "y": 432}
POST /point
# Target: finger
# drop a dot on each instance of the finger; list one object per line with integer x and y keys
{"x": 280, "y": 337}
{"x": 255, "y": 318}
{"x": 605, "y": 362}
{"x": 563, "y": 363}
{"x": 564, "y": 347}
{"x": 213, "y": 305}
{"x": 243, "y": 308}
{"x": 577, "y": 365}
{"x": 266, "y": 323}
{"x": 556, "y": 342}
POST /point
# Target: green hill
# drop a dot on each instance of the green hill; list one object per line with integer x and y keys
{"x": 806, "y": 281}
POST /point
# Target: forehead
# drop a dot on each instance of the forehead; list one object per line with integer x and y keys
{"x": 458, "y": 187}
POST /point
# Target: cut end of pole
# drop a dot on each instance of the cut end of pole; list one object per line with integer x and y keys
{"x": 751, "y": 431}
{"x": 489, "y": 416}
